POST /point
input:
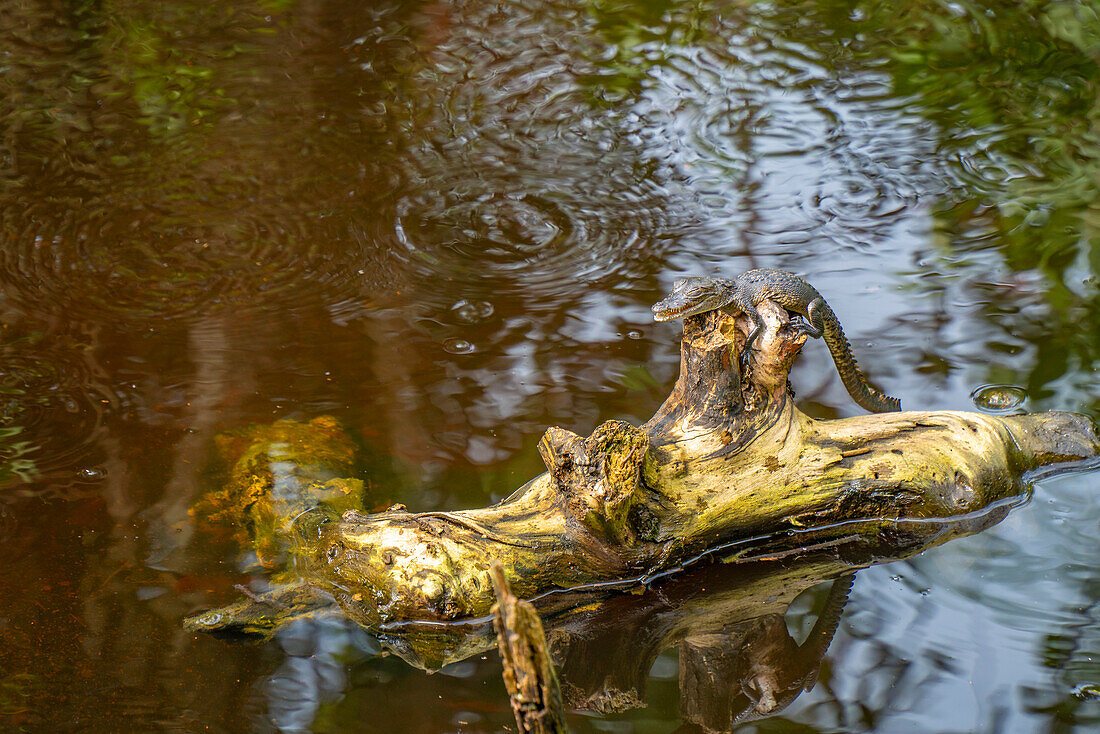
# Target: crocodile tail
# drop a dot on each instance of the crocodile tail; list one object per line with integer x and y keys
{"x": 821, "y": 636}
{"x": 856, "y": 383}
{"x": 829, "y": 619}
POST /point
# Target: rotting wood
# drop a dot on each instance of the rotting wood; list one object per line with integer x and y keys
{"x": 528, "y": 671}
{"x": 728, "y": 463}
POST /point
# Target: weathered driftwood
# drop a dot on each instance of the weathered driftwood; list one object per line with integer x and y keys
{"x": 728, "y": 459}
{"x": 528, "y": 672}
{"x": 737, "y": 660}
{"x": 727, "y": 465}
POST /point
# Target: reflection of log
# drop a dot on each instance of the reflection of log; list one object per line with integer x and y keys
{"x": 727, "y": 463}
{"x": 605, "y": 651}
{"x": 754, "y": 668}
{"x": 604, "y": 643}
{"x": 528, "y": 672}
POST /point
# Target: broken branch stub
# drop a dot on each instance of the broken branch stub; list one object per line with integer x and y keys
{"x": 528, "y": 671}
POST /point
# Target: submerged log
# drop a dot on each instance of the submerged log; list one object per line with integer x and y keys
{"x": 727, "y": 465}
{"x": 260, "y": 615}
{"x": 268, "y": 475}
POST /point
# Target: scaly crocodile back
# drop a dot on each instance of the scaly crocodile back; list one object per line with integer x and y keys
{"x": 854, "y": 380}
{"x": 786, "y": 289}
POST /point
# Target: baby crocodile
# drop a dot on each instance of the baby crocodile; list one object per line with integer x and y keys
{"x": 692, "y": 296}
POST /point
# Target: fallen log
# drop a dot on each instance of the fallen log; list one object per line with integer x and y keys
{"x": 727, "y": 466}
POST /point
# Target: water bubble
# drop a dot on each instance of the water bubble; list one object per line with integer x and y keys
{"x": 92, "y": 474}
{"x": 472, "y": 312}
{"x": 633, "y": 334}
{"x": 458, "y": 346}
{"x": 999, "y": 398}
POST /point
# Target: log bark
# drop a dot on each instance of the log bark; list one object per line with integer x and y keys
{"x": 728, "y": 466}
{"x": 528, "y": 672}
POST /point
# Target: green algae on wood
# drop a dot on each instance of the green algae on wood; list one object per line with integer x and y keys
{"x": 270, "y": 475}
{"x": 727, "y": 463}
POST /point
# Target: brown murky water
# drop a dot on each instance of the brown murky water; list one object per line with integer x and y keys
{"x": 444, "y": 223}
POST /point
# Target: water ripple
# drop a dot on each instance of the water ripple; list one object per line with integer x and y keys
{"x": 174, "y": 277}
{"x": 53, "y": 400}
{"x": 790, "y": 146}
{"x": 525, "y": 243}
{"x": 512, "y": 183}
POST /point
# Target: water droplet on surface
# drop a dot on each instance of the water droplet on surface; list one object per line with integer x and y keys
{"x": 472, "y": 312}
{"x": 634, "y": 334}
{"x": 458, "y": 346}
{"x": 999, "y": 398}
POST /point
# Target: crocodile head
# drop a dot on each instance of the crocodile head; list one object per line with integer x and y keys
{"x": 690, "y": 296}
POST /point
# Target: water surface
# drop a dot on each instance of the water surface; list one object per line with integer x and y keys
{"x": 444, "y": 224}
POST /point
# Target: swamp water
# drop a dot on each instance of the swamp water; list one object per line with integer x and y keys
{"x": 444, "y": 224}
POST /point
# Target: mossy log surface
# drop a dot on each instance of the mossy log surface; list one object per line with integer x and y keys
{"x": 727, "y": 463}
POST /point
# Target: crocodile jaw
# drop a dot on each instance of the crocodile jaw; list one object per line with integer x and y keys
{"x": 676, "y": 308}
{"x": 693, "y": 296}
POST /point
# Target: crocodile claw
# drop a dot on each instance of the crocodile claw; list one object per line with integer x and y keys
{"x": 747, "y": 360}
{"x": 801, "y": 326}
